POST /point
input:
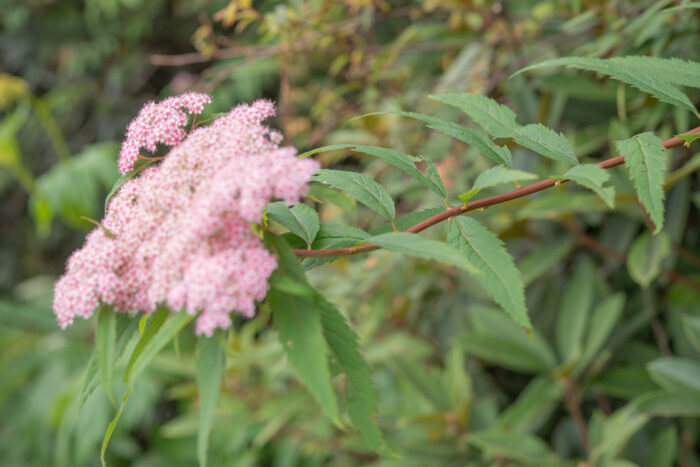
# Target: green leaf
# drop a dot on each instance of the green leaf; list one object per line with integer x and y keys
{"x": 211, "y": 359}
{"x": 521, "y": 447}
{"x": 298, "y": 323}
{"x": 105, "y": 342}
{"x": 323, "y": 149}
{"x": 646, "y": 255}
{"x": 501, "y": 122}
{"x": 496, "y": 338}
{"x": 496, "y": 176}
{"x": 572, "y": 319}
{"x": 663, "y": 449}
{"x": 669, "y": 404}
{"x": 415, "y": 245}
{"x": 646, "y": 160}
{"x": 603, "y": 320}
{"x": 156, "y": 336}
{"x": 138, "y": 168}
{"x": 624, "y": 382}
{"x": 676, "y": 374}
{"x": 500, "y": 278}
{"x": 360, "y": 396}
{"x": 361, "y": 187}
{"x": 532, "y": 406}
{"x": 404, "y": 162}
{"x": 126, "y": 328}
{"x": 593, "y": 177}
{"x": 617, "y": 430}
{"x": 301, "y": 220}
{"x": 691, "y": 327}
{"x": 475, "y": 138}
{"x": 689, "y": 138}
{"x": 654, "y": 76}
{"x": 152, "y": 323}
{"x": 431, "y": 171}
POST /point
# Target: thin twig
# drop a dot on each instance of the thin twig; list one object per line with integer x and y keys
{"x": 574, "y": 408}
{"x": 474, "y": 205}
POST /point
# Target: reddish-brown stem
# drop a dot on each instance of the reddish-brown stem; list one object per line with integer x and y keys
{"x": 474, "y": 205}
{"x": 574, "y": 408}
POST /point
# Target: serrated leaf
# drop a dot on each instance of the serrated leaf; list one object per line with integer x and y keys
{"x": 593, "y": 177}
{"x": 360, "y": 396}
{"x": 211, "y": 359}
{"x": 501, "y": 122}
{"x": 403, "y": 162}
{"x": 603, "y": 320}
{"x": 431, "y": 171}
{"x": 298, "y": 323}
{"x": 676, "y": 374}
{"x": 646, "y": 255}
{"x": 572, "y": 320}
{"x": 654, "y": 76}
{"x": 415, "y": 245}
{"x": 301, "y": 220}
{"x": 646, "y": 160}
{"x": 105, "y": 343}
{"x": 475, "y": 138}
{"x": 500, "y": 278}
{"x": 362, "y": 188}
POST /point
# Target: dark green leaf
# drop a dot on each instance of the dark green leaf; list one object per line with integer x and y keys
{"x": 415, "y": 245}
{"x": 301, "y": 220}
{"x": 593, "y": 177}
{"x": 500, "y": 278}
{"x": 211, "y": 359}
{"x": 646, "y": 160}
{"x": 646, "y": 255}
{"x": 361, "y": 187}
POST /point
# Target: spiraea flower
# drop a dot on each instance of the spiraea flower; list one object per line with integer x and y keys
{"x": 181, "y": 231}
{"x": 159, "y": 123}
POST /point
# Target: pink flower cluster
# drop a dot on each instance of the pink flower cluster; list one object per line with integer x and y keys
{"x": 182, "y": 229}
{"x": 159, "y": 123}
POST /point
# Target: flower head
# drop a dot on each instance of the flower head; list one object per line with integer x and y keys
{"x": 159, "y": 123}
{"x": 182, "y": 229}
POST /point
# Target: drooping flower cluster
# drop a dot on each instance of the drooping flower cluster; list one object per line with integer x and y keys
{"x": 159, "y": 123}
{"x": 182, "y": 230}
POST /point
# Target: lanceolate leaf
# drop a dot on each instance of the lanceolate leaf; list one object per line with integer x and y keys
{"x": 654, "y": 76}
{"x": 127, "y": 327}
{"x": 645, "y": 257}
{"x": 574, "y": 311}
{"x": 593, "y": 177}
{"x": 475, "y": 138}
{"x": 301, "y": 220}
{"x": 603, "y": 319}
{"x": 362, "y": 188}
{"x": 360, "y": 395}
{"x": 676, "y": 374}
{"x": 415, "y": 245}
{"x": 501, "y": 122}
{"x": 211, "y": 359}
{"x": 405, "y": 163}
{"x": 500, "y": 278}
{"x": 298, "y": 321}
{"x": 646, "y": 162}
{"x": 105, "y": 342}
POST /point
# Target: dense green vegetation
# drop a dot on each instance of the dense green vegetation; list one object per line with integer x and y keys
{"x": 609, "y": 372}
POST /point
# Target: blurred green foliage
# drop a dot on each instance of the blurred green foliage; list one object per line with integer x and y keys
{"x": 610, "y": 375}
